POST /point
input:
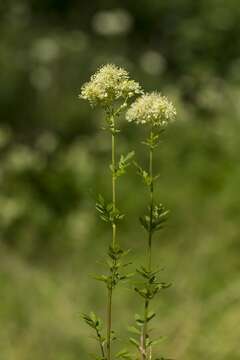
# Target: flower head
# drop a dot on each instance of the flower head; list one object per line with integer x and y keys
{"x": 108, "y": 84}
{"x": 152, "y": 108}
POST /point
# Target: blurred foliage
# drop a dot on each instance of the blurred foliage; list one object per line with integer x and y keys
{"x": 54, "y": 160}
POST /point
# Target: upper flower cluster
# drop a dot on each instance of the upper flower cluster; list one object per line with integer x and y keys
{"x": 108, "y": 84}
{"x": 153, "y": 109}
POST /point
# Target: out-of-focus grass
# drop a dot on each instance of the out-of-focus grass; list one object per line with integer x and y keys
{"x": 40, "y": 304}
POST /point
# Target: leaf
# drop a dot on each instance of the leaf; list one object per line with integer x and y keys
{"x": 107, "y": 212}
{"x": 93, "y": 316}
{"x": 154, "y": 139}
{"x": 139, "y": 320}
{"x": 123, "y": 354}
{"x": 164, "y": 285}
{"x": 126, "y": 276}
{"x": 103, "y": 278}
{"x": 103, "y": 209}
{"x": 157, "y": 341}
{"x": 147, "y": 179}
{"x": 92, "y": 320}
{"x": 97, "y": 357}
{"x": 151, "y": 315}
{"x": 145, "y": 222}
{"x": 124, "y": 162}
{"x": 134, "y": 330}
{"x": 134, "y": 342}
{"x": 144, "y": 272}
{"x": 126, "y": 264}
{"x": 159, "y": 216}
{"x": 142, "y": 292}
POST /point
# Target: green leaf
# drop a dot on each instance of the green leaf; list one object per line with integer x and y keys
{"x": 154, "y": 139}
{"x": 151, "y": 315}
{"x": 147, "y": 179}
{"x": 92, "y": 320}
{"x": 107, "y": 212}
{"x": 159, "y": 217}
{"x": 103, "y": 278}
{"x": 155, "y": 221}
{"x": 124, "y": 162}
{"x": 157, "y": 341}
{"x": 145, "y": 222}
{"x": 142, "y": 292}
{"x": 134, "y": 330}
{"x": 139, "y": 320}
{"x": 123, "y": 354}
{"x": 96, "y": 357}
{"x": 134, "y": 342}
{"x": 144, "y": 272}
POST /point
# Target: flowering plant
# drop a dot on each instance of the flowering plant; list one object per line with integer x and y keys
{"x": 156, "y": 112}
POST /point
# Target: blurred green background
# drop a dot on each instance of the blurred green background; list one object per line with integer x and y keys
{"x": 54, "y": 160}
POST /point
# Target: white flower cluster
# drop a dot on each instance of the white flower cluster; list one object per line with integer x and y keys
{"x": 153, "y": 109}
{"x": 108, "y": 84}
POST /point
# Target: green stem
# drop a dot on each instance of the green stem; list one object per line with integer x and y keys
{"x": 145, "y": 329}
{"x": 100, "y": 344}
{"x": 149, "y": 254}
{"x": 113, "y": 181}
{"x": 109, "y": 323}
{"x": 110, "y": 289}
{"x": 151, "y": 209}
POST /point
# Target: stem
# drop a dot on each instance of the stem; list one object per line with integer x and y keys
{"x": 113, "y": 181}
{"x": 149, "y": 254}
{"x": 110, "y": 289}
{"x": 144, "y": 347}
{"x": 100, "y": 344}
{"x": 109, "y": 323}
{"x": 151, "y": 209}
